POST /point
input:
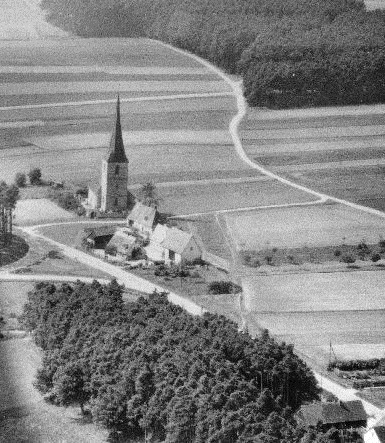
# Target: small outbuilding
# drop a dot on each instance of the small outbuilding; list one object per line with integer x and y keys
{"x": 143, "y": 218}
{"x": 98, "y": 237}
{"x": 172, "y": 245}
{"x": 340, "y": 415}
{"x": 123, "y": 243}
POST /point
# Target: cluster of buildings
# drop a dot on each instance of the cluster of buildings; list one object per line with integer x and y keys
{"x": 144, "y": 232}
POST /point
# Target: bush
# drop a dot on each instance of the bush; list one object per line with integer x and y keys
{"x": 111, "y": 250}
{"x": 65, "y": 200}
{"x": 337, "y": 253}
{"x": 223, "y": 287}
{"x": 347, "y": 258}
{"x": 34, "y": 176}
{"x": 54, "y": 255}
{"x": 20, "y": 180}
{"x": 82, "y": 192}
{"x": 376, "y": 257}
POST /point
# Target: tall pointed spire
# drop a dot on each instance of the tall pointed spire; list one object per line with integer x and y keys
{"x": 116, "y": 153}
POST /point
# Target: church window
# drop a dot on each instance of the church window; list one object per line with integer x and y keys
{"x": 117, "y": 170}
{"x": 116, "y": 202}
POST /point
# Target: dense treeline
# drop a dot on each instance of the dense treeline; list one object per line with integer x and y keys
{"x": 289, "y": 52}
{"x": 150, "y": 369}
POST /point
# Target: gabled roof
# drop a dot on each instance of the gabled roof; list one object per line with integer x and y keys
{"x": 159, "y": 233}
{"x": 143, "y": 215}
{"x": 332, "y": 412}
{"x": 116, "y": 153}
{"x": 122, "y": 240}
{"x": 172, "y": 239}
{"x": 176, "y": 240}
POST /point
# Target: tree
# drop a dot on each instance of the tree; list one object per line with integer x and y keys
{"x": 34, "y": 176}
{"x": 20, "y": 180}
{"x": 8, "y": 198}
{"x": 148, "y": 195}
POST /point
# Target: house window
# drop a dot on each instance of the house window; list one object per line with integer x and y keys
{"x": 117, "y": 170}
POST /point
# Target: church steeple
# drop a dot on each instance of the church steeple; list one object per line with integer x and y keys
{"x": 116, "y": 153}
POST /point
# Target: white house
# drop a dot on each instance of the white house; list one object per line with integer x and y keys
{"x": 143, "y": 218}
{"x": 172, "y": 245}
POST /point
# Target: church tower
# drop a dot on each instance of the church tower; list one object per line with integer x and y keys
{"x": 114, "y": 192}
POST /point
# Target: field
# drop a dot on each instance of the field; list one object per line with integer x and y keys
{"x": 38, "y": 211}
{"x": 306, "y": 226}
{"x": 312, "y": 310}
{"x": 323, "y": 292}
{"x": 339, "y": 151}
{"x": 197, "y": 198}
{"x": 57, "y": 105}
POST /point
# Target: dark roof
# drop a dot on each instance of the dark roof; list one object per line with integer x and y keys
{"x": 99, "y": 231}
{"x": 116, "y": 153}
{"x": 332, "y": 412}
{"x": 143, "y": 215}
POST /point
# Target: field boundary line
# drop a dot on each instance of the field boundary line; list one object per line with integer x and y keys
{"x": 9, "y": 277}
{"x": 122, "y": 100}
{"x": 252, "y": 208}
{"x": 234, "y": 126}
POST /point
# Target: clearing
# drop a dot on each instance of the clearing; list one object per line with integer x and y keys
{"x": 35, "y": 211}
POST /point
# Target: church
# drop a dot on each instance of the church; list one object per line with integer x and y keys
{"x": 111, "y": 196}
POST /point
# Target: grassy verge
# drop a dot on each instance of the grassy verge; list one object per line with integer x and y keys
{"x": 14, "y": 251}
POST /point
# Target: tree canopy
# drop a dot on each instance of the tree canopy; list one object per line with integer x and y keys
{"x": 289, "y": 52}
{"x": 149, "y": 368}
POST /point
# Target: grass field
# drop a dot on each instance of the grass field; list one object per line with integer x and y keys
{"x": 338, "y": 291}
{"x": 40, "y": 210}
{"x": 179, "y": 199}
{"x": 312, "y": 310}
{"x": 311, "y": 332}
{"x": 306, "y": 226}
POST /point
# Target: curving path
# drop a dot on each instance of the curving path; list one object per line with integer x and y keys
{"x": 236, "y": 87}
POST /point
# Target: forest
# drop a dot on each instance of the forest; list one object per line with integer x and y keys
{"x": 147, "y": 369}
{"x": 290, "y": 53}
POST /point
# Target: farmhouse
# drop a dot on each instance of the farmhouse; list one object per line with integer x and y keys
{"x": 111, "y": 195}
{"x": 172, "y": 245}
{"x": 340, "y": 415}
{"x": 143, "y": 218}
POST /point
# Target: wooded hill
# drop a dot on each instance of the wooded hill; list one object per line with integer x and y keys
{"x": 290, "y": 52}
{"x": 150, "y": 369}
